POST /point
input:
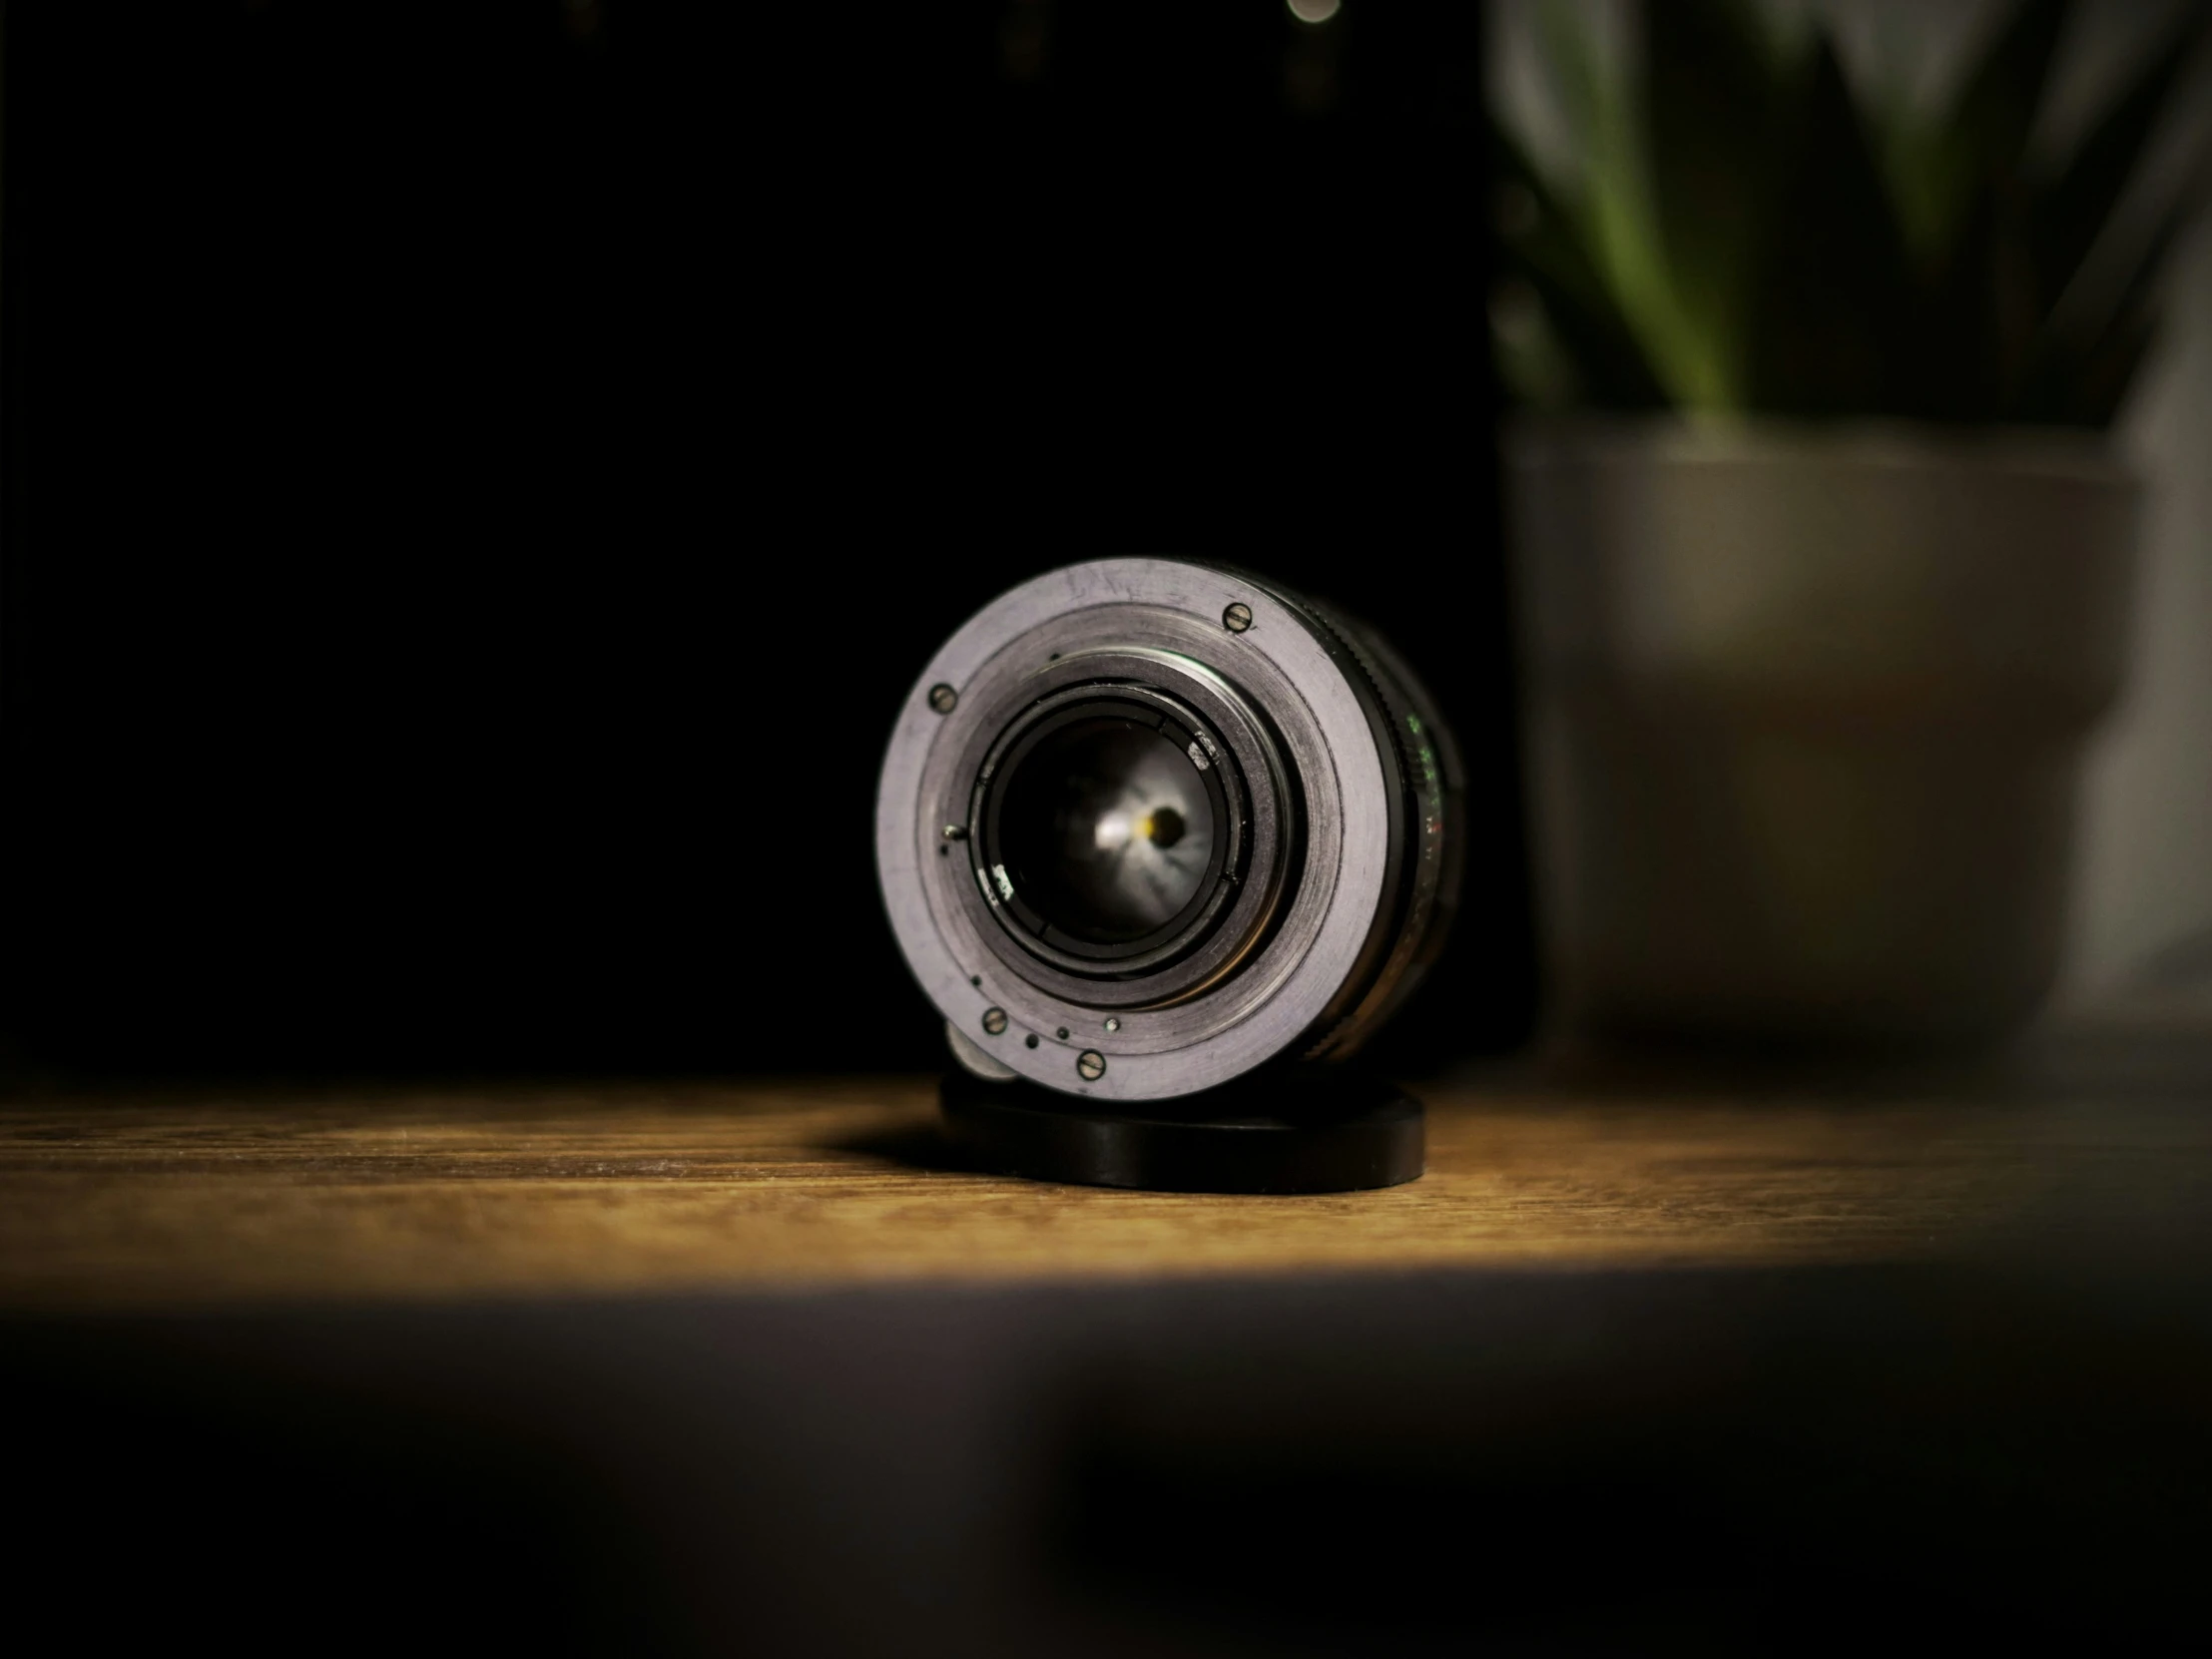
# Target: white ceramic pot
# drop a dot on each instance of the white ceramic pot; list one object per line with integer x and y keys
{"x": 1807, "y": 708}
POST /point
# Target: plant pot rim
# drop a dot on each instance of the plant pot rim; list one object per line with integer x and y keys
{"x": 1867, "y": 444}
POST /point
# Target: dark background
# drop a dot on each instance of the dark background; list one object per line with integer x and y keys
{"x": 479, "y": 480}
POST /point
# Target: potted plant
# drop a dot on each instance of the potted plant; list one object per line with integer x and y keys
{"x": 1823, "y": 550}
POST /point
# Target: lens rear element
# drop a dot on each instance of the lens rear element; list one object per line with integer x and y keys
{"x": 1106, "y": 830}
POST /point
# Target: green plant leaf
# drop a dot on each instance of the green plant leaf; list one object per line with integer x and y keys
{"x": 1964, "y": 321}
{"x": 2085, "y": 359}
{"x": 1983, "y": 139}
{"x": 1613, "y": 215}
{"x": 1546, "y": 250}
{"x": 1997, "y": 107}
{"x": 1710, "y": 89}
{"x": 2071, "y": 213}
{"x": 1729, "y": 240}
{"x": 2139, "y": 289}
{"x": 1831, "y": 311}
{"x": 1569, "y": 61}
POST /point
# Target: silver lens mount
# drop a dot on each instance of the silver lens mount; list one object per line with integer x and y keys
{"x": 1146, "y": 823}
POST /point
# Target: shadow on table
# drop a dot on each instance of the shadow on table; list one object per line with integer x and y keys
{"x": 1708, "y": 1460}
{"x": 920, "y": 1146}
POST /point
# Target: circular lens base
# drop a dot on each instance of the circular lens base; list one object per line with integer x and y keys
{"x": 1309, "y": 1130}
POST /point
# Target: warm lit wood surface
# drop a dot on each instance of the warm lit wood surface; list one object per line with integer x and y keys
{"x": 421, "y": 1193}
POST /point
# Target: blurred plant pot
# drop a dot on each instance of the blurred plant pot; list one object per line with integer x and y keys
{"x": 1806, "y": 713}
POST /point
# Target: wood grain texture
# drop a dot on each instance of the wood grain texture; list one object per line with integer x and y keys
{"x": 427, "y": 1193}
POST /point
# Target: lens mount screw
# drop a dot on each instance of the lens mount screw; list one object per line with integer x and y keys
{"x": 944, "y": 699}
{"x": 994, "y": 1021}
{"x": 1090, "y": 1065}
{"x": 955, "y": 831}
{"x": 1112, "y": 1024}
{"x": 1236, "y": 619}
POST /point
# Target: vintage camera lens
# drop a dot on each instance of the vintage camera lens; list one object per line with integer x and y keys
{"x": 1145, "y": 825}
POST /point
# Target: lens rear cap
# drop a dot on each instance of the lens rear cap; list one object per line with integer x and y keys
{"x": 1293, "y": 1129}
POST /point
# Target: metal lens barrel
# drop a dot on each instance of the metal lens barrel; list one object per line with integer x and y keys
{"x": 1145, "y": 825}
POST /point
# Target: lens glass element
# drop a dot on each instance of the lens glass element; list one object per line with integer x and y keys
{"x": 1106, "y": 830}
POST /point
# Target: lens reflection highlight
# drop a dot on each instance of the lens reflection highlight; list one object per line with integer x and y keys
{"x": 1107, "y": 830}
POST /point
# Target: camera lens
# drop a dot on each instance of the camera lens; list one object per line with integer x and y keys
{"x": 1148, "y": 823}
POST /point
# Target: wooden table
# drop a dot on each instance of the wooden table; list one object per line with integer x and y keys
{"x": 213, "y": 1197}
{"x": 1645, "y": 1361}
